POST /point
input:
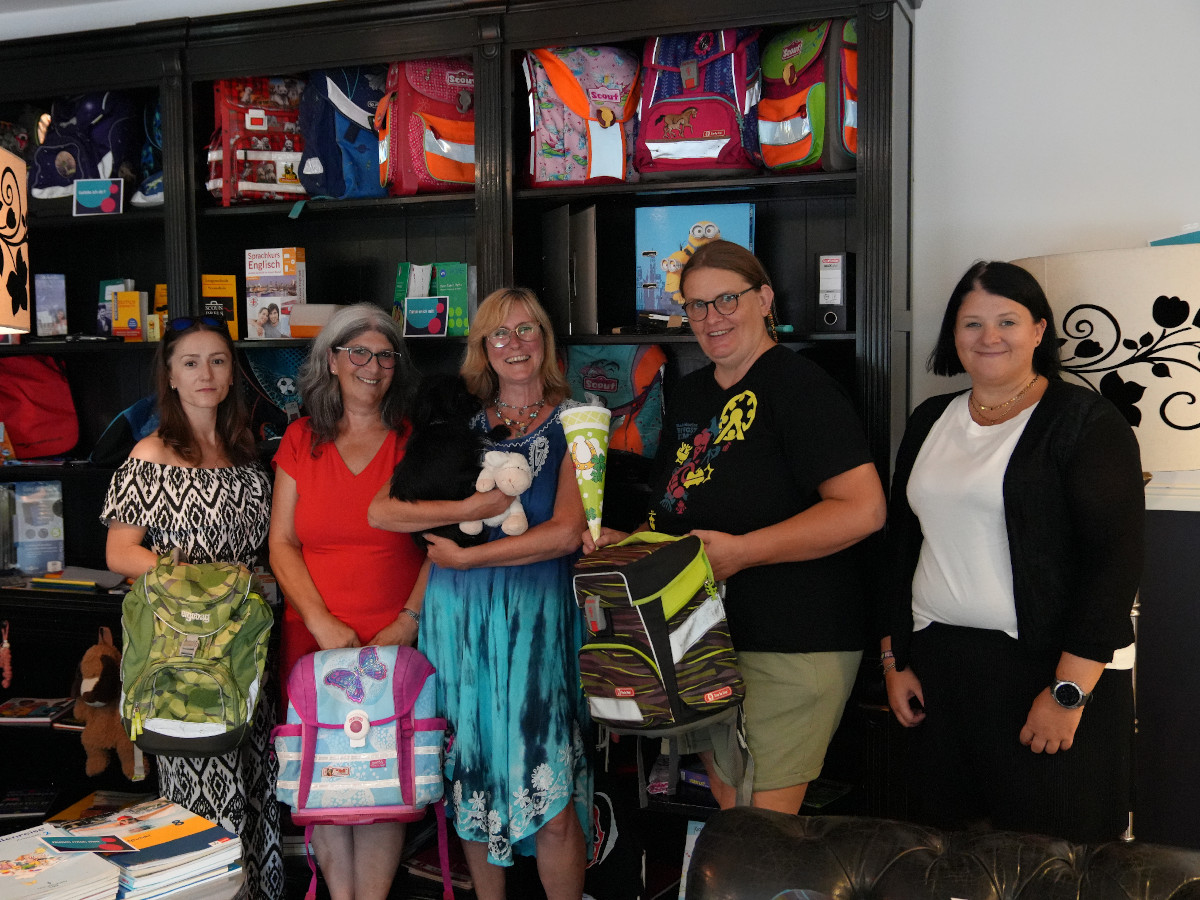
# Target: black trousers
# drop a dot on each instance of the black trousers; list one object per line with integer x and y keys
{"x": 967, "y": 766}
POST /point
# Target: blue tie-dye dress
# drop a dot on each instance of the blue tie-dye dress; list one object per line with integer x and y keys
{"x": 505, "y": 643}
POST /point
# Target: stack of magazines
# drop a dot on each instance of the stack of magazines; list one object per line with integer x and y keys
{"x": 151, "y": 849}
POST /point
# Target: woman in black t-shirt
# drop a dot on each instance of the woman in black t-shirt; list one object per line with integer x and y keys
{"x": 764, "y": 459}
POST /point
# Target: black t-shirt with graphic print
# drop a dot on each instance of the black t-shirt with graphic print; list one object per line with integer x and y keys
{"x": 742, "y": 458}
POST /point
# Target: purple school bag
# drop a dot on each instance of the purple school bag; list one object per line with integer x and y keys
{"x": 362, "y": 742}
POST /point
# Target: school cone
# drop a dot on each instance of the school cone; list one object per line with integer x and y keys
{"x": 586, "y": 428}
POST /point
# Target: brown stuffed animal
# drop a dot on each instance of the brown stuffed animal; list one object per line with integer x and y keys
{"x": 99, "y": 689}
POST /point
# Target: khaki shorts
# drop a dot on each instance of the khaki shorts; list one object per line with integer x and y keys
{"x": 793, "y": 705}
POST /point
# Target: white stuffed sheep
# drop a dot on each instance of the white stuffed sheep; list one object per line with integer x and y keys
{"x": 511, "y": 473}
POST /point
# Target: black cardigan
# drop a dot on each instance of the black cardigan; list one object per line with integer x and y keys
{"x": 1074, "y": 508}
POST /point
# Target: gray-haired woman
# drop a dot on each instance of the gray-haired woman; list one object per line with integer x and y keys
{"x": 346, "y": 584}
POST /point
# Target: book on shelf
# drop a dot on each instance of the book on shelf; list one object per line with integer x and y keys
{"x": 50, "y": 300}
{"x": 34, "y": 710}
{"x": 107, "y": 301}
{"x": 218, "y": 297}
{"x": 31, "y": 868}
{"x": 275, "y": 282}
{"x": 130, "y": 309}
{"x": 27, "y": 802}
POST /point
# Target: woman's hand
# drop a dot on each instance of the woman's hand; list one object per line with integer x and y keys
{"x": 903, "y": 688}
{"x": 401, "y": 632}
{"x": 724, "y": 552}
{"x": 607, "y": 536}
{"x": 446, "y": 553}
{"x": 332, "y": 633}
{"x": 1050, "y": 727}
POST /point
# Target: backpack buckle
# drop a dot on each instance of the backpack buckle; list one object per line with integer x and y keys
{"x": 189, "y": 646}
{"x": 689, "y": 74}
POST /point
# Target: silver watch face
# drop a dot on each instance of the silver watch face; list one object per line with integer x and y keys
{"x": 1068, "y": 694}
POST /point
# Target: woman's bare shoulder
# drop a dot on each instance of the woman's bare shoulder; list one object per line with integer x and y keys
{"x": 152, "y": 449}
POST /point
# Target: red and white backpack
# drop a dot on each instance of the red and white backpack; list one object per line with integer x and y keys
{"x": 426, "y": 126}
{"x": 699, "y": 96}
{"x": 582, "y": 105}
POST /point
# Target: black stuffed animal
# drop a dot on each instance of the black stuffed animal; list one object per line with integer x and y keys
{"x": 443, "y": 455}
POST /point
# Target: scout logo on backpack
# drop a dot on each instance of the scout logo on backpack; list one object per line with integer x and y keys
{"x": 362, "y": 742}
{"x": 628, "y": 380}
{"x": 582, "y": 102}
{"x": 808, "y": 117}
{"x": 337, "y": 119}
{"x": 657, "y": 653}
{"x": 698, "y": 102}
{"x": 195, "y": 649}
{"x": 426, "y": 126}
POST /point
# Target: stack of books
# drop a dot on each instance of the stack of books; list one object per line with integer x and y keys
{"x": 159, "y": 848}
{"x": 31, "y": 868}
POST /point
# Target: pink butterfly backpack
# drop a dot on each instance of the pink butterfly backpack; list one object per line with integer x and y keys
{"x": 362, "y": 742}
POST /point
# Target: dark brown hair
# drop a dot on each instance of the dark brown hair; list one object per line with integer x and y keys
{"x": 233, "y": 426}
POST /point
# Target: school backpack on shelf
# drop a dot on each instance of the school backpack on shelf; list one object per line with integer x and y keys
{"x": 337, "y": 119}
{"x": 808, "y": 115}
{"x": 90, "y": 136}
{"x": 699, "y": 95}
{"x": 150, "y": 188}
{"x": 627, "y": 378}
{"x": 657, "y": 660}
{"x": 36, "y": 406}
{"x": 195, "y": 649}
{"x": 256, "y": 147}
{"x": 426, "y": 126}
{"x": 362, "y": 742}
{"x": 582, "y": 103}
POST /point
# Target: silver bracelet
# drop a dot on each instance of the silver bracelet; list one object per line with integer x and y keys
{"x": 412, "y": 614}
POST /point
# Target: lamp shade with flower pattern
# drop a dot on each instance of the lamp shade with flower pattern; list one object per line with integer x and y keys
{"x": 1129, "y": 327}
{"x": 14, "y": 245}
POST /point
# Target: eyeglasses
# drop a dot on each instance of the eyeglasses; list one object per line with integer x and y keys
{"x": 360, "y": 356}
{"x": 725, "y": 304}
{"x": 526, "y": 331}
{"x": 183, "y": 323}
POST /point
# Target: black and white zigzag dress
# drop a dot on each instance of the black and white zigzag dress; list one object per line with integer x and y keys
{"x": 211, "y": 515}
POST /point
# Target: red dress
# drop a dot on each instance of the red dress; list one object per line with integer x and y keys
{"x": 363, "y": 574}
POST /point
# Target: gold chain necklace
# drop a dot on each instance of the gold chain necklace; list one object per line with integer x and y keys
{"x": 981, "y": 409}
{"x": 521, "y": 427}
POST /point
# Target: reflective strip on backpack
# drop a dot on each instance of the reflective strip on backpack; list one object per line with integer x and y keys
{"x": 612, "y": 708}
{"x": 347, "y": 107}
{"x": 708, "y": 614}
{"x": 449, "y": 148}
{"x": 606, "y": 151}
{"x": 709, "y": 149}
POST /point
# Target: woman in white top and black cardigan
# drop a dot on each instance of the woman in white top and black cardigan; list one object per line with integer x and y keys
{"x": 1016, "y": 529}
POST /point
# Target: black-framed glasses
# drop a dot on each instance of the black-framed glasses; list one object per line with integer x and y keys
{"x": 360, "y": 356}
{"x": 526, "y": 331}
{"x": 183, "y": 323}
{"x": 725, "y": 304}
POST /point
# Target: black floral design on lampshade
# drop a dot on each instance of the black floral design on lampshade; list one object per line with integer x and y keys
{"x": 14, "y": 248}
{"x": 1096, "y": 351}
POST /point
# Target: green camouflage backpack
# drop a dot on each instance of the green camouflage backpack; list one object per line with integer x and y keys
{"x": 195, "y": 648}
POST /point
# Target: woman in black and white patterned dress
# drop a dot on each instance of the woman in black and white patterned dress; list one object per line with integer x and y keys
{"x": 195, "y": 485}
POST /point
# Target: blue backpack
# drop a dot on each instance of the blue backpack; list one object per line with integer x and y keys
{"x": 341, "y": 148}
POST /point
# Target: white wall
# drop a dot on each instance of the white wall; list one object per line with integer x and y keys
{"x": 1046, "y": 126}
{"x": 28, "y": 18}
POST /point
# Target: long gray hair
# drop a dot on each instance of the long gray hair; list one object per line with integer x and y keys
{"x": 319, "y": 387}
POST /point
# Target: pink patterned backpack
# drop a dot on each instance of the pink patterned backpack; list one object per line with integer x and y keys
{"x": 426, "y": 126}
{"x": 583, "y": 105}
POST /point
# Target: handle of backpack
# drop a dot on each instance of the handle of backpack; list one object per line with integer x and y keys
{"x": 657, "y": 537}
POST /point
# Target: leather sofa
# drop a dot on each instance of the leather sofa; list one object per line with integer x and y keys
{"x": 753, "y": 854}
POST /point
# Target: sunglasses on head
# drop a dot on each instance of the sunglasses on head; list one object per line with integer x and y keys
{"x": 182, "y": 323}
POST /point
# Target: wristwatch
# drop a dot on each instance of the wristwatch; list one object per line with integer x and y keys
{"x": 1068, "y": 694}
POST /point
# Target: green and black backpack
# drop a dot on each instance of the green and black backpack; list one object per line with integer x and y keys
{"x": 195, "y": 649}
{"x": 657, "y": 660}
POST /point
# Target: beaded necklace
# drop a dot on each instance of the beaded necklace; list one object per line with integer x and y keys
{"x": 521, "y": 427}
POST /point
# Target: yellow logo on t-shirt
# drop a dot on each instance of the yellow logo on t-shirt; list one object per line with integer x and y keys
{"x": 737, "y": 417}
